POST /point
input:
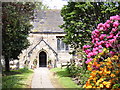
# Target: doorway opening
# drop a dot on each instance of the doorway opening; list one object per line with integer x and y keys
{"x": 42, "y": 59}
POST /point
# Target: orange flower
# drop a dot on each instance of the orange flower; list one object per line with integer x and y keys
{"x": 95, "y": 63}
{"x": 110, "y": 66}
{"x": 89, "y": 68}
{"x": 101, "y": 63}
{"x": 110, "y": 81}
{"x": 101, "y": 68}
{"x": 93, "y": 74}
{"x": 100, "y": 72}
{"x": 118, "y": 64}
{"x": 117, "y": 71}
{"x": 112, "y": 75}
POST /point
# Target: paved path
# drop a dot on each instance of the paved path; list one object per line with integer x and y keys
{"x": 41, "y": 78}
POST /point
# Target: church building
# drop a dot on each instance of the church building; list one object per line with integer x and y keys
{"x": 46, "y": 45}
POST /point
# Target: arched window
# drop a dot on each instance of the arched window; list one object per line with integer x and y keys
{"x": 61, "y": 45}
{"x": 58, "y": 44}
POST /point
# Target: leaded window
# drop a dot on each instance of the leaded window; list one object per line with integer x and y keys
{"x": 61, "y": 45}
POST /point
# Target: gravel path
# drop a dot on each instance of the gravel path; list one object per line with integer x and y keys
{"x": 41, "y": 78}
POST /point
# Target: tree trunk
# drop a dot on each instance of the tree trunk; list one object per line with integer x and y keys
{"x": 7, "y": 66}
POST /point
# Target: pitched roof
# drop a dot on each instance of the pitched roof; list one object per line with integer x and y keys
{"x": 48, "y": 21}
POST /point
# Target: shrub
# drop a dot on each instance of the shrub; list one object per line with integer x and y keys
{"x": 104, "y": 55}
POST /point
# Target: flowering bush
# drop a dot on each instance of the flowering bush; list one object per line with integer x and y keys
{"x": 103, "y": 57}
{"x": 104, "y": 74}
{"x": 106, "y": 35}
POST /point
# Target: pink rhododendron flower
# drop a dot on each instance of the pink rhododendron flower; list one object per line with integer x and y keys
{"x": 112, "y": 53}
{"x": 100, "y": 47}
{"x": 108, "y": 21}
{"x": 107, "y": 25}
{"x": 96, "y": 31}
{"x": 114, "y": 30}
{"x": 111, "y": 36}
{"x": 95, "y": 53}
{"x": 88, "y": 60}
{"x": 111, "y": 40}
{"x": 86, "y": 46}
{"x": 97, "y": 39}
{"x": 99, "y": 51}
{"x": 93, "y": 41}
{"x": 117, "y": 17}
{"x": 115, "y": 24}
{"x": 101, "y": 25}
{"x": 93, "y": 32}
{"x": 87, "y": 51}
{"x": 107, "y": 45}
{"x": 90, "y": 54}
{"x": 102, "y": 36}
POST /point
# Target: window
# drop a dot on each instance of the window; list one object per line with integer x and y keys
{"x": 61, "y": 45}
{"x": 58, "y": 44}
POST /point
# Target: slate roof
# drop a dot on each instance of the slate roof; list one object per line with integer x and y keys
{"x": 48, "y": 21}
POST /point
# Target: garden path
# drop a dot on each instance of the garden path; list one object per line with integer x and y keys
{"x": 41, "y": 78}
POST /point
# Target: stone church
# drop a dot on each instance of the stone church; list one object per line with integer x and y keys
{"x": 46, "y": 45}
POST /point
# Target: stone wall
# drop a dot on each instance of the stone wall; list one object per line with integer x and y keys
{"x": 48, "y": 44}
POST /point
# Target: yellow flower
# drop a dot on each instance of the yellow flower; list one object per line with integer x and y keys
{"x": 100, "y": 72}
{"x": 101, "y": 79}
{"x": 90, "y": 63}
{"x": 104, "y": 49}
{"x": 84, "y": 86}
{"x": 108, "y": 59}
{"x": 94, "y": 59}
{"x": 98, "y": 82}
{"x": 101, "y": 86}
{"x": 102, "y": 53}
{"x": 93, "y": 87}
{"x": 108, "y": 85}
{"x": 116, "y": 57}
{"x": 99, "y": 56}
{"x": 112, "y": 58}
{"x": 89, "y": 86}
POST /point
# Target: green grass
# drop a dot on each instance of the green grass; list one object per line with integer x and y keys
{"x": 64, "y": 78}
{"x": 17, "y": 79}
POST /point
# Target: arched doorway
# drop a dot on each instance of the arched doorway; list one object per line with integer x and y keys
{"x": 42, "y": 59}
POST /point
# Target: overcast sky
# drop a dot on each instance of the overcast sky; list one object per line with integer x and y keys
{"x": 55, "y": 4}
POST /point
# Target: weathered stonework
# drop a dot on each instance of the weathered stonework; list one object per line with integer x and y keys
{"x": 43, "y": 38}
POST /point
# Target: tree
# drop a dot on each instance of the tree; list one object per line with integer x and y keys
{"x": 82, "y": 17}
{"x": 16, "y": 18}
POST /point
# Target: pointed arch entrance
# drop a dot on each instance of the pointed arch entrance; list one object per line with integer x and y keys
{"x": 42, "y": 59}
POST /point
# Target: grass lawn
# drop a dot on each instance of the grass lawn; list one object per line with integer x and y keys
{"x": 64, "y": 78}
{"x": 17, "y": 79}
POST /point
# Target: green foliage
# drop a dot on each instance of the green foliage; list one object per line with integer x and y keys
{"x": 116, "y": 86}
{"x": 64, "y": 78}
{"x": 16, "y": 26}
{"x": 85, "y": 74}
{"x": 16, "y": 18}
{"x": 78, "y": 72}
{"x": 17, "y": 78}
{"x": 82, "y": 17}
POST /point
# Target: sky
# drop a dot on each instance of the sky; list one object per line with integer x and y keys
{"x": 55, "y": 4}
